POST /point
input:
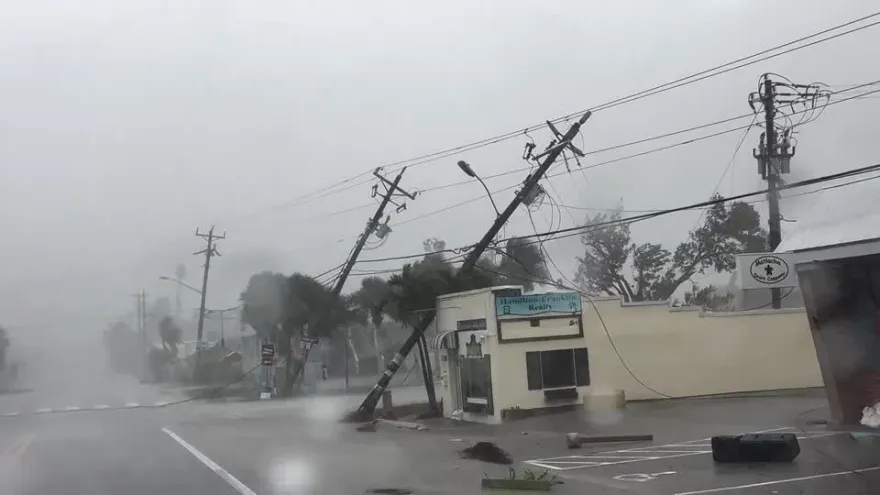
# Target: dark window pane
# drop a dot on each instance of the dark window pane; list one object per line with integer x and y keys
{"x": 557, "y": 368}
{"x": 534, "y": 322}
{"x": 533, "y": 370}
{"x": 582, "y": 366}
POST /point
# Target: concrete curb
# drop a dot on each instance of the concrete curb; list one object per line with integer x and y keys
{"x": 404, "y": 424}
{"x": 575, "y": 440}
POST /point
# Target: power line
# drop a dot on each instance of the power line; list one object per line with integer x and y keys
{"x": 736, "y": 64}
{"x": 615, "y": 160}
{"x": 577, "y": 230}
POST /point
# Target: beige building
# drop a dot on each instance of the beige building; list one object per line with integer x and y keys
{"x": 502, "y": 353}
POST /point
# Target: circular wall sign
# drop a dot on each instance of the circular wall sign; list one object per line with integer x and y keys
{"x": 769, "y": 269}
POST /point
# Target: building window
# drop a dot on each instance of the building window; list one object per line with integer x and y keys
{"x": 535, "y": 322}
{"x": 558, "y": 369}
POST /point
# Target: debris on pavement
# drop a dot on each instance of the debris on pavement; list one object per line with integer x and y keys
{"x": 403, "y": 424}
{"x": 367, "y": 427}
{"x": 575, "y": 440}
{"x": 487, "y": 452}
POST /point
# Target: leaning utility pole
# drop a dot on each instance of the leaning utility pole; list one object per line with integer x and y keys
{"x": 209, "y": 251}
{"x": 550, "y": 155}
{"x": 392, "y": 191}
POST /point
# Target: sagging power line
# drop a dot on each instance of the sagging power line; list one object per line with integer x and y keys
{"x": 775, "y": 51}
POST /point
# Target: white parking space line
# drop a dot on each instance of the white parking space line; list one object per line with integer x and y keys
{"x": 131, "y": 404}
{"x": 72, "y": 408}
{"x": 649, "y": 453}
{"x": 102, "y": 406}
{"x": 43, "y": 410}
{"x": 229, "y": 478}
{"x": 779, "y": 482}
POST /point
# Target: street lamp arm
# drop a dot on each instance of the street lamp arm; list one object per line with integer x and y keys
{"x": 182, "y": 284}
{"x": 489, "y": 193}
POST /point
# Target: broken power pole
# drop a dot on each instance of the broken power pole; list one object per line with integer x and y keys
{"x": 549, "y": 155}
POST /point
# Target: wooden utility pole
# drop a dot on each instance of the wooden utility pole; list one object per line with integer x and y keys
{"x": 774, "y": 159}
{"x": 209, "y": 252}
{"x": 549, "y": 155}
{"x": 775, "y": 234}
{"x": 392, "y": 192}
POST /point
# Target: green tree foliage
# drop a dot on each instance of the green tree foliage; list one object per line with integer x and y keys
{"x": 613, "y": 265}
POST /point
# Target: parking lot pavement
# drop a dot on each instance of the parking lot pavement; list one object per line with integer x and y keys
{"x": 679, "y": 461}
{"x": 829, "y": 461}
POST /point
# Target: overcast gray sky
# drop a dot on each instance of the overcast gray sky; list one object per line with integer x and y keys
{"x": 126, "y": 125}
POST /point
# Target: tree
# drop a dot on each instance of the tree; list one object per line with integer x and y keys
{"x": 264, "y": 302}
{"x": 314, "y": 307}
{"x": 170, "y": 335}
{"x": 654, "y": 272}
{"x": 372, "y": 297}
{"x": 708, "y": 297}
{"x": 522, "y": 263}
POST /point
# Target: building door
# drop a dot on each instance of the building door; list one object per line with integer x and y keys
{"x": 476, "y": 379}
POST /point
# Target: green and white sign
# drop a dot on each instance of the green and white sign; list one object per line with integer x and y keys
{"x": 538, "y": 304}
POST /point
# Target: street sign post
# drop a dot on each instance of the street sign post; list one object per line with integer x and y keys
{"x": 267, "y": 354}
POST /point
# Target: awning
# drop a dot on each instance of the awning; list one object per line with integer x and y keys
{"x": 439, "y": 340}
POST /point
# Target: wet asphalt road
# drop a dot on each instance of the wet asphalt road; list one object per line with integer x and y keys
{"x": 56, "y": 441}
{"x": 298, "y": 447}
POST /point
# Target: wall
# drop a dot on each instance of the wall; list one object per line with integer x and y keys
{"x": 684, "y": 352}
{"x": 678, "y": 352}
{"x": 509, "y": 361}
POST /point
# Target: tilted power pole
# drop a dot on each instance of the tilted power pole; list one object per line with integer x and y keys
{"x": 209, "y": 252}
{"x": 550, "y": 155}
{"x": 392, "y": 191}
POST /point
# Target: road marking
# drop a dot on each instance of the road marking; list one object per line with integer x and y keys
{"x": 102, "y": 406}
{"x": 11, "y": 414}
{"x": 778, "y": 482}
{"x": 72, "y": 408}
{"x": 161, "y": 403}
{"x": 131, "y": 404}
{"x": 642, "y": 477}
{"x": 43, "y": 410}
{"x": 229, "y": 478}
{"x": 649, "y": 453}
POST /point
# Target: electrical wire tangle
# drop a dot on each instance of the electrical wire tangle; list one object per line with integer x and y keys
{"x": 790, "y": 99}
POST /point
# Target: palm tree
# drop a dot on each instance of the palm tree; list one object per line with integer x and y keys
{"x": 372, "y": 297}
{"x": 170, "y": 334}
{"x": 264, "y": 302}
{"x": 314, "y": 308}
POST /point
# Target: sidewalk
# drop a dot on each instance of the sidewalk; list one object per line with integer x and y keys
{"x": 359, "y": 384}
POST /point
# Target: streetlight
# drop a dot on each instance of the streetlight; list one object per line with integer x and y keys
{"x": 181, "y": 283}
{"x": 463, "y": 165}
